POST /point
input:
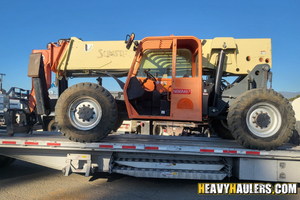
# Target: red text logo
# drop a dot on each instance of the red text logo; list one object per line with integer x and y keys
{"x": 181, "y": 91}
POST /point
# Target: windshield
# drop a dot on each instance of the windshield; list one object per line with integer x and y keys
{"x": 159, "y": 62}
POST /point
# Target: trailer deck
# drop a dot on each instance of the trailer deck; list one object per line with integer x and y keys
{"x": 146, "y": 143}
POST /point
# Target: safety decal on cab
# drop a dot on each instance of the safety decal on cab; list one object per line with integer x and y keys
{"x": 181, "y": 91}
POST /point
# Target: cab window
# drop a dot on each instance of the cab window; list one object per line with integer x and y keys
{"x": 183, "y": 63}
{"x": 159, "y": 62}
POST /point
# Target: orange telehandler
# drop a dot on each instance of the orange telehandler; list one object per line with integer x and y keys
{"x": 176, "y": 82}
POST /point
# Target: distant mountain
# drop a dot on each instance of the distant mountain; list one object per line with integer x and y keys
{"x": 289, "y": 94}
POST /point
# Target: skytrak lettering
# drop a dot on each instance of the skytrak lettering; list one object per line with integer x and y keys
{"x": 181, "y": 91}
{"x": 112, "y": 53}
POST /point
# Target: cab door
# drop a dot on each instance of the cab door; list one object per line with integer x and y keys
{"x": 186, "y": 92}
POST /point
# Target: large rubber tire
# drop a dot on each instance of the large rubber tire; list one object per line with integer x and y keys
{"x": 85, "y": 112}
{"x": 261, "y": 119}
{"x": 118, "y": 123}
{"x": 220, "y": 127}
{"x": 5, "y": 161}
{"x": 122, "y": 114}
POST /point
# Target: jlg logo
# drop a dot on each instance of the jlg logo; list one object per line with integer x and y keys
{"x": 181, "y": 91}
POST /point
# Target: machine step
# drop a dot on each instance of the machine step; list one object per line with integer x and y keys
{"x": 173, "y": 174}
{"x": 170, "y": 164}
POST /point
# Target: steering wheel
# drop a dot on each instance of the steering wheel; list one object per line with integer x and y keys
{"x": 149, "y": 75}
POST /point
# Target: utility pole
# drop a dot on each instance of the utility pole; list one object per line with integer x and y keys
{"x": 1, "y": 79}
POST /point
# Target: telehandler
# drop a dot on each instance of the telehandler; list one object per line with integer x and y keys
{"x": 177, "y": 82}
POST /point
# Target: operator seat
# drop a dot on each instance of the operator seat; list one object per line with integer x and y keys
{"x": 145, "y": 102}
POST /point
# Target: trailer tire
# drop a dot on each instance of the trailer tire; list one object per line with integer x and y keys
{"x": 85, "y": 112}
{"x": 221, "y": 129}
{"x": 261, "y": 119}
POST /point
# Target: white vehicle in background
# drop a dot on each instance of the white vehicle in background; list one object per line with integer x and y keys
{"x": 18, "y": 98}
{"x": 13, "y": 103}
{"x": 296, "y": 107}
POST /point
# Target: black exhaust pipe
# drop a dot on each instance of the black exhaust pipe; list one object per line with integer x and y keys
{"x": 219, "y": 77}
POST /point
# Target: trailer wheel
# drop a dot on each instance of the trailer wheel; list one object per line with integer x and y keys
{"x": 85, "y": 112}
{"x": 261, "y": 119}
{"x": 52, "y": 126}
{"x": 5, "y": 161}
{"x": 220, "y": 127}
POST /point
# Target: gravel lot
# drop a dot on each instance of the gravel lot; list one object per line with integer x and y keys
{"x": 23, "y": 180}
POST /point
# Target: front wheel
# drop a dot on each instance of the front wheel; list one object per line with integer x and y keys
{"x": 261, "y": 119}
{"x": 85, "y": 112}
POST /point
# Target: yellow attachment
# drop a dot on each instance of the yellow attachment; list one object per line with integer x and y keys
{"x": 96, "y": 55}
{"x": 237, "y": 51}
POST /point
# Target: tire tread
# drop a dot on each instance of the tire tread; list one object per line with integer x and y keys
{"x": 239, "y": 129}
{"x": 96, "y": 133}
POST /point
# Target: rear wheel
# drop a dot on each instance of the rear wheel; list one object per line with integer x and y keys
{"x": 261, "y": 119}
{"x": 85, "y": 112}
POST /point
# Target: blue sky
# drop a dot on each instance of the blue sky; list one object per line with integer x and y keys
{"x": 31, "y": 24}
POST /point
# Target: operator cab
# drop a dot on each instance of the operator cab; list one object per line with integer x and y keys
{"x": 165, "y": 79}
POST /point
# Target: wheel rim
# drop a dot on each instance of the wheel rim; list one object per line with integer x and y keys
{"x": 263, "y": 120}
{"x": 85, "y": 113}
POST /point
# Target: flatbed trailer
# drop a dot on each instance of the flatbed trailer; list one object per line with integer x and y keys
{"x": 152, "y": 156}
